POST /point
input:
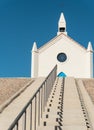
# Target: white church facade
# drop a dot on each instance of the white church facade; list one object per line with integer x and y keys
{"x": 72, "y": 59}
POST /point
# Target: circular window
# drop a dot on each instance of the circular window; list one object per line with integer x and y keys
{"x": 61, "y": 57}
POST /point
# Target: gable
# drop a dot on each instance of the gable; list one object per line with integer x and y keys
{"x": 57, "y": 40}
{"x": 62, "y": 44}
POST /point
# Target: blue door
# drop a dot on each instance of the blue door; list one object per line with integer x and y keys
{"x": 61, "y": 74}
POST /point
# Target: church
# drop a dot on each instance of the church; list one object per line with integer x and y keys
{"x": 47, "y": 101}
{"x": 71, "y": 58}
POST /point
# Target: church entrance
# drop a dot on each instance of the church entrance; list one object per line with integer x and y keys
{"x": 61, "y": 74}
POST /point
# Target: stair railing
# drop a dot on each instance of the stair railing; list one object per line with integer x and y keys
{"x": 29, "y": 118}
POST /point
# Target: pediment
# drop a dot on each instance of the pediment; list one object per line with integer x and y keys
{"x": 56, "y": 39}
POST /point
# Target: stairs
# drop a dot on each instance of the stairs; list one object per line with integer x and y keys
{"x": 64, "y": 108}
{"x": 53, "y": 115}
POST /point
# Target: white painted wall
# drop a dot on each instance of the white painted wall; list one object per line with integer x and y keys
{"x": 75, "y": 65}
{"x": 34, "y": 70}
{"x": 89, "y": 63}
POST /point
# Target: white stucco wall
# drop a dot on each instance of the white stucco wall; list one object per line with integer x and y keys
{"x": 34, "y": 70}
{"x": 89, "y": 64}
{"x": 75, "y": 65}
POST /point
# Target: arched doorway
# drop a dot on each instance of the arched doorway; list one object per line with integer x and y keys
{"x": 61, "y": 74}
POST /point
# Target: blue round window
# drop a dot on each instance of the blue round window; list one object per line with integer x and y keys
{"x": 61, "y": 57}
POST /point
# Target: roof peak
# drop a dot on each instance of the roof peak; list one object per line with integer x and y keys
{"x": 56, "y": 39}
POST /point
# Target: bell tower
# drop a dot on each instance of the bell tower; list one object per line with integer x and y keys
{"x": 61, "y": 25}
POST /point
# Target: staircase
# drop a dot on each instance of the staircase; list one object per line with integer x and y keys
{"x": 53, "y": 115}
{"x": 55, "y": 104}
{"x": 65, "y": 108}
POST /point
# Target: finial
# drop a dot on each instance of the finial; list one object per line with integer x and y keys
{"x": 34, "y": 47}
{"x": 89, "y": 48}
{"x": 62, "y": 18}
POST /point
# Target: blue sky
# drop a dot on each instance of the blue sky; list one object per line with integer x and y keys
{"x": 24, "y": 21}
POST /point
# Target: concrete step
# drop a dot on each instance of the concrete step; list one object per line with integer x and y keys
{"x": 50, "y": 127}
{"x": 50, "y": 122}
{"x": 74, "y": 127}
{"x": 45, "y": 128}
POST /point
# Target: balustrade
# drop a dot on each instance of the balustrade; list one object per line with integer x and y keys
{"x": 29, "y": 118}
